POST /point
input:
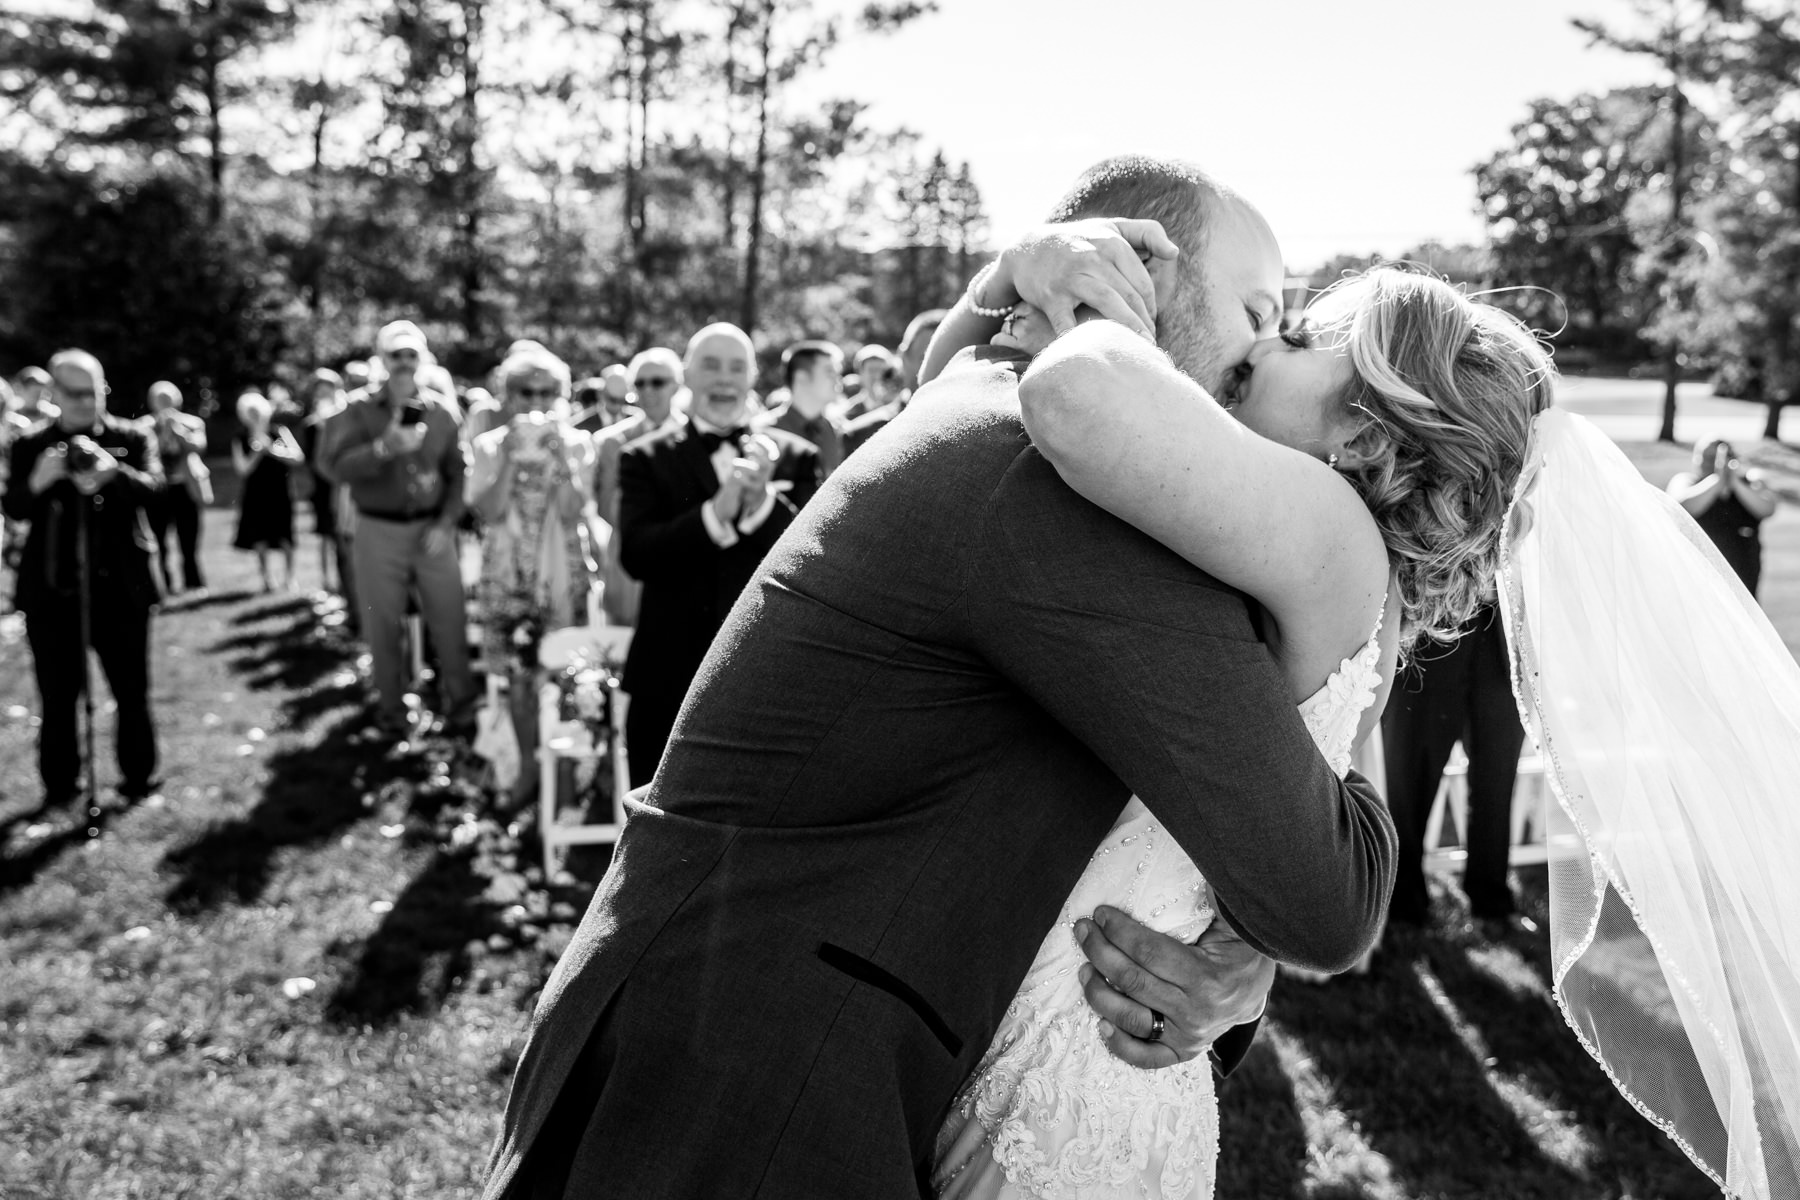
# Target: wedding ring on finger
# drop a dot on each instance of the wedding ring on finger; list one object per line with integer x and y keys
{"x": 1156, "y": 1027}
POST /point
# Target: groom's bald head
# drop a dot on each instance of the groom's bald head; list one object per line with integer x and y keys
{"x": 1227, "y": 283}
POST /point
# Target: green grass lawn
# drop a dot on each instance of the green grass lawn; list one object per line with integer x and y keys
{"x": 307, "y": 971}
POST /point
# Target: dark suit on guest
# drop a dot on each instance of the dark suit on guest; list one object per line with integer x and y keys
{"x": 690, "y": 581}
{"x": 1462, "y": 691}
{"x": 122, "y": 590}
{"x": 920, "y": 719}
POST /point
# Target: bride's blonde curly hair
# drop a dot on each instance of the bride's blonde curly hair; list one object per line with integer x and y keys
{"x": 1448, "y": 386}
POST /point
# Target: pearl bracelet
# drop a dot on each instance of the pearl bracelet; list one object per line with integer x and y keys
{"x": 975, "y": 287}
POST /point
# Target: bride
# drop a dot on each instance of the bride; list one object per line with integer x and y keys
{"x": 1367, "y": 479}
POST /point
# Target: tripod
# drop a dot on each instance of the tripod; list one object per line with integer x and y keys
{"x": 88, "y": 794}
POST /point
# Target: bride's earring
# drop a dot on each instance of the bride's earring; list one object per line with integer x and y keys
{"x": 1331, "y": 460}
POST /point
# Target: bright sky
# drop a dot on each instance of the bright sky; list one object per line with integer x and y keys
{"x": 1351, "y": 123}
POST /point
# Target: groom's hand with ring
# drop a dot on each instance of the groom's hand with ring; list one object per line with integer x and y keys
{"x": 1200, "y": 991}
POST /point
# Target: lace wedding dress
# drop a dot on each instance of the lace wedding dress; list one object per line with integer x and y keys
{"x": 1050, "y": 1113}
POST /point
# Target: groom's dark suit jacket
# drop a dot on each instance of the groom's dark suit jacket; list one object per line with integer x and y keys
{"x": 912, "y": 732}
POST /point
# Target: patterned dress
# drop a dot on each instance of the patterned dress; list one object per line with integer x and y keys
{"x": 1050, "y": 1114}
{"x": 536, "y": 568}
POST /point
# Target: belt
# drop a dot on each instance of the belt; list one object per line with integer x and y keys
{"x": 427, "y": 515}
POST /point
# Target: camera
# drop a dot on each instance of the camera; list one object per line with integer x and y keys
{"x": 533, "y": 433}
{"x": 83, "y": 455}
{"x": 413, "y": 414}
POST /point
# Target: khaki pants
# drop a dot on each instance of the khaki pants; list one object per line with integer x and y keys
{"x": 390, "y": 560}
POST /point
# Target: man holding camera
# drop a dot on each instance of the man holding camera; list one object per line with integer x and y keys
{"x": 397, "y": 447}
{"x": 84, "y": 482}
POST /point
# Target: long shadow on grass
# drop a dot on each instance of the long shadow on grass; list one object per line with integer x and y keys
{"x": 1262, "y": 1144}
{"x": 69, "y": 831}
{"x": 1399, "y": 1070}
{"x": 418, "y": 954}
{"x": 290, "y": 657}
{"x": 1528, "y": 1039}
{"x": 313, "y": 792}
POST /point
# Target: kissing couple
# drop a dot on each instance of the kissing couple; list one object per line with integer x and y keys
{"x": 1025, "y": 753}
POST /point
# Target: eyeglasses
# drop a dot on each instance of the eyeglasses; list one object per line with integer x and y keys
{"x": 531, "y": 393}
{"x": 643, "y": 385}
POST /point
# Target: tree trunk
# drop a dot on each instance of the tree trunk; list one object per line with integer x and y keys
{"x": 470, "y": 183}
{"x": 215, "y": 133}
{"x": 1677, "y": 152}
{"x": 758, "y": 177}
{"x": 728, "y": 184}
{"x": 315, "y": 268}
{"x": 642, "y": 216}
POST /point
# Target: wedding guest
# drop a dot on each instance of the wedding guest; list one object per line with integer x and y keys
{"x": 655, "y": 381}
{"x": 181, "y": 447}
{"x": 917, "y": 339}
{"x": 1730, "y": 502}
{"x": 87, "y": 472}
{"x": 264, "y": 455}
{"x": 1462, "y": 692}
{"x": 33, "y": 387}
{"x": 912, "y": 356}
{"x": 324, "y": 400}
{"x": 356, "y": 375}
{"x": 589, "y": 405}
{"x": 481, "y": 412}
{"x": 813, "y": 372}
{"x": 700, "y": 503}
{"x": 13, "y": 426}
{"x": 881, "y": 374}
{"x": 874, "y": 389}
{"x": 615, "y": 385}
{"x": 530, "y": 480}
{"x": 397, "y": 447}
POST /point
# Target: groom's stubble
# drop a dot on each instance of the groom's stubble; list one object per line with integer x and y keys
{"x": 1202, "y": 325}
{"x": 1229, "y": 262}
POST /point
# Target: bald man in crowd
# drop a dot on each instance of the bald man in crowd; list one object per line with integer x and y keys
{"x": 84, "y": 481}
{"x": 700, "y": 503}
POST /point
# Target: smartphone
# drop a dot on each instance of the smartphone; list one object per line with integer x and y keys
{"x": 413, "y": 414}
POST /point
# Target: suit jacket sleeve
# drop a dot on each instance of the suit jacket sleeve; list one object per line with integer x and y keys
{"x": 140, "y": 471}
{"x": 657, "y": 541}
{"x": 22, "y": 459}
{"x": 1155, "y": 668}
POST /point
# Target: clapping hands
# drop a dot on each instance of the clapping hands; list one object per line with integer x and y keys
{"x": 745, "y": 487}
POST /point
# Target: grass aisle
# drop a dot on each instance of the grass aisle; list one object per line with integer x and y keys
{"x": 308, "y": 970}
{"x": 277, "y": 982}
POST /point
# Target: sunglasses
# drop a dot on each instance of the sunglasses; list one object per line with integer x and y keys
{"x": 646, "y": 384}
{"x": 543, "y": 393}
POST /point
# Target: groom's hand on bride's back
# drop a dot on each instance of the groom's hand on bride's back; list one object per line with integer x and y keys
{"x": 1201, "y": 991}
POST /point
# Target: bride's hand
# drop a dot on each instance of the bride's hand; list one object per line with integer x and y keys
{"x": 1101, "y": 262}
{"x": 1025, "y": 328}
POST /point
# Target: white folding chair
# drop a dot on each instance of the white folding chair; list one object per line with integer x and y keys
{"x": 560, "y": 741}
{"x": 1452, "y": 804}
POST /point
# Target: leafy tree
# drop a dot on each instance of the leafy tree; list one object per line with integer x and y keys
{"x": 131, "y": 270}
{"x": 1557, "y": 203}
{"x": 1749, "y": 282}
{"x": 138, "y": 76}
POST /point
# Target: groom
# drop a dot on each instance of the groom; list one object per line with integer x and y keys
{"x": 912, "y": 732}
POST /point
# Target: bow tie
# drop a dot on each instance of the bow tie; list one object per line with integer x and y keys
{"x": 712, "y": 441}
